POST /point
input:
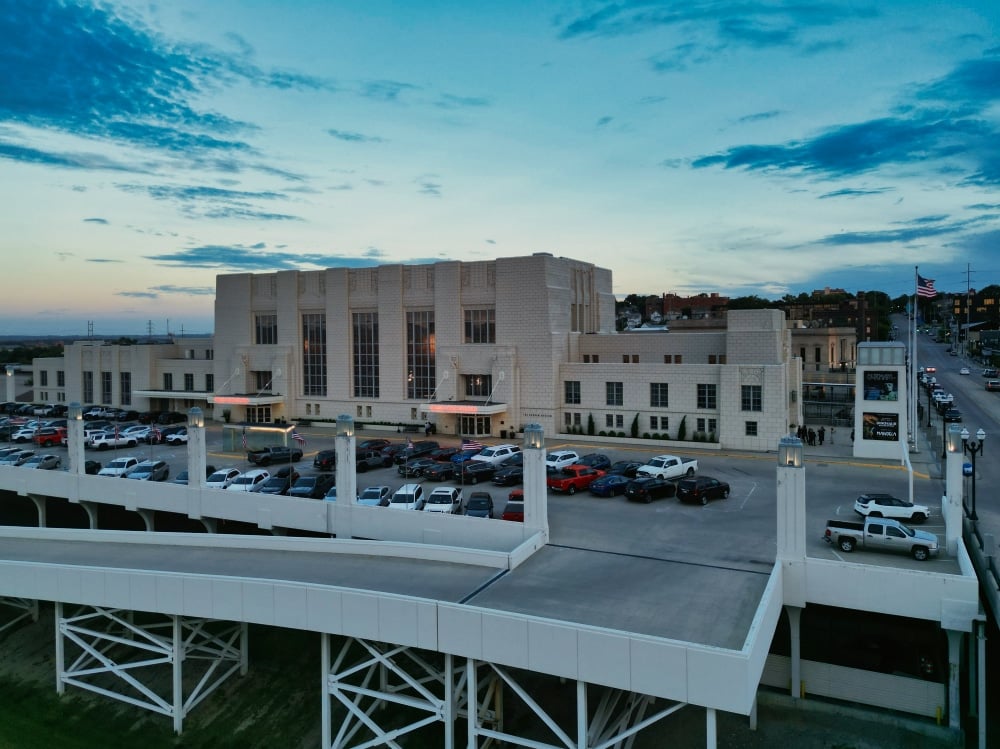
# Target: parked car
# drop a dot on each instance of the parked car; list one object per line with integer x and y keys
{"x": 179, "y": 437}
{"x": 556, "y": 461}
{"x": 445, "y": 499}
{"x": 119, "y": 466}
{"x": 17, "y": 458}
{"x": 441, "y": 471}
{"x": 92, "y": 467}
{"x": 45, "y": 462}
{"x": 249, "y": 480}
{"x": 513, "y": 510}
{"x": 595, "y": 460}
{"x": 479, "y": 505}
{"x": 24, "y": 434}
{"x": 49, "y": 436}
{"x": 496, "y": 454}
{"x": 509, "y": 475}
{"x": 647, "y": 488}
{"x": 222, "y": 478}
{"x": 415, "y": 468}
{"x": 517, "y": 459}
{"x": 279, "y": 482}
{"x": 609, "y": 485}
{"x": 443, "y": 454}
{"x": 171, "y": 417}
{"x": 474, "y": 472}
{"x": 181, "y": 478}
{"x": 701, "y": 489}
{"x": 149, "y": 470}
{"x": 952, "y": 416}
{"x": 414, "y": 450}
{"x": 625, "y": 467}
{"x": 331, "y": 494}
{"x": 390, "y": 451}
{"x": 993, "y": 385}
{"x": 888, "y": 506}
{"x": 464, "y": 455}
{"x": 311, "y": 487}
{"x": 408, "y": 497}
{"x": 372, "y": 444}
{"x": 375, "y": 496}
{"x": 325, "y": 460}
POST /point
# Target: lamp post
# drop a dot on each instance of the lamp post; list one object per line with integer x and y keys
{"x": 972, "y": 448}
{"x": 536, "y": 509}
{"x": 928, "y": 407}
{"x": 944, "y": 437}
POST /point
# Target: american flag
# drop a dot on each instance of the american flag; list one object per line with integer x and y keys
{"x": 468, "y": 444}
{"x": 157, "y": 434}
{"x": 298, "y": 438}
{"x": 925, "y": 287}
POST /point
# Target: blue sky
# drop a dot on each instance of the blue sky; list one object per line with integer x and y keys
{"x": 734, "y": 147}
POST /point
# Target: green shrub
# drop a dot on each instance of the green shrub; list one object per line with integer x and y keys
{"x": 635, "y": 426}
{"x": 682, "y": 429}
{"x": 590, "y": 424}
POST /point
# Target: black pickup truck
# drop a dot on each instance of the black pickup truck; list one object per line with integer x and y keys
{"x": 274, "y": 454}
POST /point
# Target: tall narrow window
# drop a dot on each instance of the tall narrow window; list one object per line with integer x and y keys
{"x": 478, "y": 386}
{"x": 266, "y": 328}
{"x": 189, "y": 382}
{"x": 480, "y": 326}
{"x": 168, "y": 381}
{"x": 313, "y": 353}
{"x": 572, "y": 392}
{"x": 707, "y": 397}
{"x": 209, "y": 382}
{"x": 659, "y": 395}
{"x": 365, "y": 352}
{"x": 125, "y": 388}
{"x": 615, "y": 393}
{"x": 88, "y": 387}
{"x": 61, "y": 378}
{"x": 751, "y": 398}
{"x": 420, "y": 354}
{"x": 106, "y": 387}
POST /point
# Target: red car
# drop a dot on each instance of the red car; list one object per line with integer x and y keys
{"x": 514, "y": 509}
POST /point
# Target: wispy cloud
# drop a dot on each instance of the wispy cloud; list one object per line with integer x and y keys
{"x": 606, "y": 120}
{"x": 138, "y": 294}
{"x": 352, "y": 137}
{"x": 926, "y": 227}
{"x": 103, "y": 260}
{"x": 759, "y": 117}
{"x": 254, "y": 258}
{"x": 389, "y": 91}
{"x": 854, "y": 192}
{"x": 450, "y": 101}
{"x": 95, "y": 221}
{"x": 214, "y": 202}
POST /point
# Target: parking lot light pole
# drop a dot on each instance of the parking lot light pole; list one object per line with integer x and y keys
{"x": 944, "y": 437}
{"x": 11, "y": 386}
{"x": 345, "y": 470}
{"x": 972, "y": 448}
{"x": 929, "y": 408}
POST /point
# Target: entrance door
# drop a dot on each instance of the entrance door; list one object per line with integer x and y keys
{"x": 475, "y": 426}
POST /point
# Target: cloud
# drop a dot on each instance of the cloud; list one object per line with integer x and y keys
{"x": 926, "y": 227}
{"x": 848, "y": 192}
{"x": 95, "y": 221}
{"x": 352, "y": 137}
{"x": 449, "y": 101}
{"x": 429, "y": 188}
{"x": 214, "y": 202}
{"x": 255, "y": 258}
{"x": 186, "y": 290}
{"x": 103, "y": 260}
{"x": 759, "y": 116}
{"x": 606, "y": 120}
{"x": 389, "y": 91}
{"x": 138, "y": 294}
{"x": 69, "y": 160}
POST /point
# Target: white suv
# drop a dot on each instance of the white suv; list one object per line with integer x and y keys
{"x": 119, "y": 467}
{"x": 496, "y": 454}
{"x": 408, "y": 497}
{"x": 559, "y": 459}
{"x": 249, "y": 481}
{"x": 445, "y": 499}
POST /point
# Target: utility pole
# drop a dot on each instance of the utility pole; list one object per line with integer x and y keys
{"x": 968, "y": 307}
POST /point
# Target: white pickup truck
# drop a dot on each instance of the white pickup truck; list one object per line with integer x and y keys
{"x": 668, "y": 467}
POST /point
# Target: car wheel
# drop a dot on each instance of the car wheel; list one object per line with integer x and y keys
{"x": 690, "y": 472}
{"x": 918, "y": 517}
{"x": 572, "y": 490}
{"x": 704, "y": 500}
{"x": 102, "y": 447}
{"x": 920, "y": 553}
{"x": 473, "y": 480}
{"x": 846, "y": 544}
{"x": 647, "y": 500}
{"x": 132, "y": 443}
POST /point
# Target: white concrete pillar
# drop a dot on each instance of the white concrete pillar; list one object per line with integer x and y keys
{"x": 791, "y": 500}
{"x": 954, "y": 489}
{"x": 11, "y": 384}
{"x": 347, "y": 477}
{"x": 795, "y": 629}
{"x": 711, "y": 729}
{"x": 196, "y": 449}
{"x": 74, "y": 439}
{"x": 536, "y": 493}
{"x": 954, "y": 679}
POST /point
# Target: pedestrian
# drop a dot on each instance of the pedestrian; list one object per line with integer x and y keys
{"x": 821, "y": 434}
{"x": 812, "y": 437}
{"x": 852, "y": 436}
{"x": 833, "y": 432}
{"x": 427, "y": 429}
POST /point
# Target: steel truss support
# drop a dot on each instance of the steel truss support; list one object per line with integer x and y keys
{"x": 425, "y": 687}
{"x": 23, "y": 608}
{"x": 106, "y": 651}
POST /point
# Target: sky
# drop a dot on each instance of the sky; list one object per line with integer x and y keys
{"x": 744, "y": 148}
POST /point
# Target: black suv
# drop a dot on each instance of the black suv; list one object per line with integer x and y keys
{"x": 649, "y": 488}
{"x": 420, "y": 449}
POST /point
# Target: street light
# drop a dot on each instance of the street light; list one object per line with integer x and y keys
{"x": 972, "y": 448}
{"x": 944, "y": 437}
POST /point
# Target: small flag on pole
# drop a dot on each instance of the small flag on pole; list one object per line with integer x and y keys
{"x": 299, "y": 439}
{"x": 925, "y": 287}
{"x": 157, "y": 434}
{"x": 468, "y": 444}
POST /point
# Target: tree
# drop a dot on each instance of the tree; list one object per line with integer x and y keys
{"x": 682, "y": 429}
{"x": 590, "y": 425}
{"x": 635, "y": 427}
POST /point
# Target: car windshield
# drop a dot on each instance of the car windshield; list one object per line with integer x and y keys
{"x": 117, "y": 464}
{"x": 371, "y": 493}
{"x": 243, "y": 480}
{"x": 218, "y": 477}
{"x": 440, "y": 499}
{"x": 478, "y": 504}
{"x": 402, "y": 498}
{"x": 907, "y": 530}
